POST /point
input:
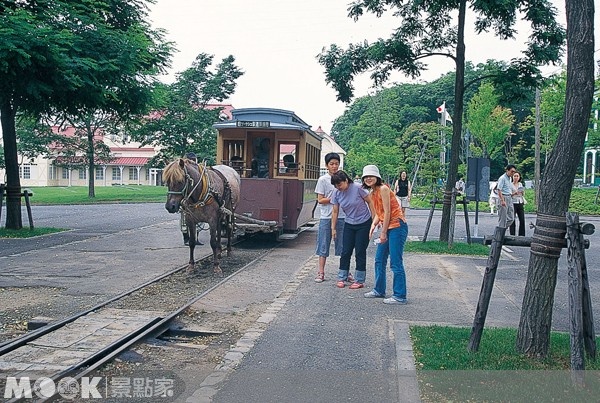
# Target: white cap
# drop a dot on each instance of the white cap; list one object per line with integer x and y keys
{"x": 371, "y": 170}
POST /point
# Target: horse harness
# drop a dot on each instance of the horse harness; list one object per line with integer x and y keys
{"x": 208, "y": 194}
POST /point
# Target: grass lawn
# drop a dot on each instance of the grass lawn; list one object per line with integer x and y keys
{"x": 27, "y": 233}
{"x": 441, "y": 248}
{"x": 104, "y": 194}
{"x": 497, "y": 372}
{"x": 583, "y": 201}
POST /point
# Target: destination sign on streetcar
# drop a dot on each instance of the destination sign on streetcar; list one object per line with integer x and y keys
{"x": 249, "y": 123}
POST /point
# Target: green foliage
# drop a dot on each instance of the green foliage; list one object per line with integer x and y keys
{"x": 66, "y": 57}
{"x": 552, "y": 108}
{"x": 427, "y": 29}
{"x": 182, "y": 123}
{"x": 420, "y": 146}
{"x": 371, "y": 151}
{"x": 436, "y": 247}
{"x": 447, "y": 371}
{"x": 488, "y": 122}
{"x": 28, "y": 233}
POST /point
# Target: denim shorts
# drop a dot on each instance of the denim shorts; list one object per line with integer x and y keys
{"x": 324, "y": 237}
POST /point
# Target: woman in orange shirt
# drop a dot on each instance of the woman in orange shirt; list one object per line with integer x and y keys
{"x": 393, "y": 234}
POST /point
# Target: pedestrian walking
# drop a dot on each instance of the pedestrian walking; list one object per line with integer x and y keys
{"x": 518, "y": 200}
{"x": 506, "y": 210}
{"x": 403, "y": 189}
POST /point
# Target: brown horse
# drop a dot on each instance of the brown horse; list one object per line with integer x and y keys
{"x": 204, "y": 194}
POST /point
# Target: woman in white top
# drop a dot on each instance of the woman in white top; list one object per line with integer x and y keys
{"x": 518, "y": 201}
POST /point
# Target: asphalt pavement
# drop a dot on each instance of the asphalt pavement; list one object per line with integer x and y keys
{"x": 315, "y": 342}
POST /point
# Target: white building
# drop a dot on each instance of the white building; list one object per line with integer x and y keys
{"x": 328, "y": 145}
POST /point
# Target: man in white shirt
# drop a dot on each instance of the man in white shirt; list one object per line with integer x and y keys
{"x": 506, "y": 210}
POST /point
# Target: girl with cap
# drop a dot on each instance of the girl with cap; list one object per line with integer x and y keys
{"x": 388, "y": 214}
{"x": 353, "y": 199}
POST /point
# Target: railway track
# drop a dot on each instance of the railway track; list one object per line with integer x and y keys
{"x": 75, "y": 346}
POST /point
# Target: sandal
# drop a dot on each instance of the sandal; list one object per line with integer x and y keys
{"x": 341, "y": 284}
{"x": 356, "y": 285}
{"x": 320, "y": 277}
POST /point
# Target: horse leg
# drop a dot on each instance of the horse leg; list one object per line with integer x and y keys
{"x": 192, "y": 244}
{"x": 215, "y": 244}
{"x": 229, "y": 223}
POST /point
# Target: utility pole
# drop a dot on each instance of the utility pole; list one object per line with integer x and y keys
{"x": 536, "y": 182}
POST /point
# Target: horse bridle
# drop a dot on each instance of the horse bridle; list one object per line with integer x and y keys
{"x": 206, "y": 196}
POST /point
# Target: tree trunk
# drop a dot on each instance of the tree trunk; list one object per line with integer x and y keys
{"x": 459, "y": 91}
{"x": 13, "y": 183}
{"x": 533, "y": 336}
{"x": 90, "y": 158}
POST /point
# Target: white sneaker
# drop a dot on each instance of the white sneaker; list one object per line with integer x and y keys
{"x": 373, "y": 294}
{"x": 395, "y": 301}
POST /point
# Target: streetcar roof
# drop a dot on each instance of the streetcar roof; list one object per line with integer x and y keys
{"x": 266, "y": 118}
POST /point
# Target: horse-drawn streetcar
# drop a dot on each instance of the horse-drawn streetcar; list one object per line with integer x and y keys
{"x": 277, "y": 156}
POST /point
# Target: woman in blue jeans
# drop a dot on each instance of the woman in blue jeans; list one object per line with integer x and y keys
{"x": 392, "y": 237}
{"x": 353, "y": 199}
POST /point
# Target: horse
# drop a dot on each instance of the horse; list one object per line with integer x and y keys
{"x": 204, "y": 194}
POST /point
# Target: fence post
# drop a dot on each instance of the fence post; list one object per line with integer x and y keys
{"x": 433, "y": 203}
{"x": 2, "y": 190}
{"x": 452, "y": 218}
{"x": 486, "y": 289}
{"x": 26, "y": 194}
{"x": 580, "y": 306}
{"x": 464, "y": 203}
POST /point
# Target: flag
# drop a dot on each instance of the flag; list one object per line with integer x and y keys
{"x": 448, "y": 117}
{"x": 441, "y": 108}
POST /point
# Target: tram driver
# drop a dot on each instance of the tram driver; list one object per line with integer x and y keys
{"x": 260, "y": 162}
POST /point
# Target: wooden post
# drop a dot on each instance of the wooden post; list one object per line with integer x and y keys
{"x": 486, "y": 289}
{"x": 26, "y": 194}
{"x": 580, "y": 305}
{"x": 464, "y": 203}
{"x": 575, "y": 298}
{"x": 452, "y": 218}
{"x": 2, "y": 190}
{"x": 433, "y": 203}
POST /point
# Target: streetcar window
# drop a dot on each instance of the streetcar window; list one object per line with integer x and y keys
{"x": 288, "y": 159}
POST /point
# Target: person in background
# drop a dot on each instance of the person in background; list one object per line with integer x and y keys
{"x": 460, "y": 186}
{"x": 392, "y": 237}
{"x": 353, "y": 200}
{"x": 324, "y": 191}
{"x": 260, "y": 163}
{"x": 506, "y": 210}
{"x": 518, "y": 200}
{"x": 403, "y": 190}
{"x": 186, "y": 237}
{"x": 493, "y": 200}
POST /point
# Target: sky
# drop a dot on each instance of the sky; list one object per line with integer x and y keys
{"x": 276, "y": 42}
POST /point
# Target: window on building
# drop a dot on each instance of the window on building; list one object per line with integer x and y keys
{"x": 116, "y": 174}
{"x": 99, "y": 174}
{"x": 83, "y": 174}
{"x": 133, "y": 174}
{"x": 25, "y": 171}
{"x": 52, "y": 172}
{"x": 65, "y": 173}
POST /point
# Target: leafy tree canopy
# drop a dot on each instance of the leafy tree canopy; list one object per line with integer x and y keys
{"x": 182, "y": 121}
{"x": 427, "y": 29}
{"x": 72, "y": 57}
{"x": 488, "y": 122}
